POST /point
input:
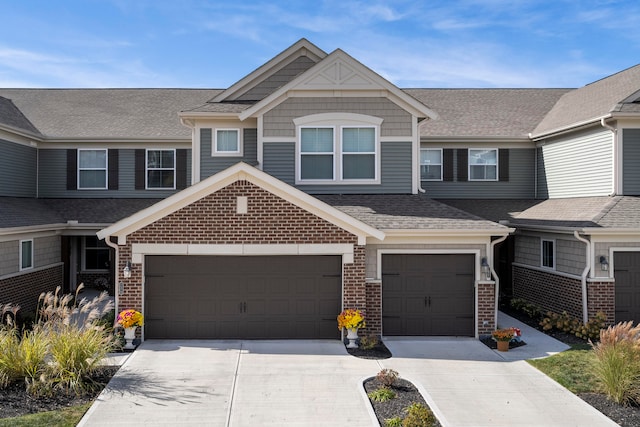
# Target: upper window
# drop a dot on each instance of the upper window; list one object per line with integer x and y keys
{"x": 483, "y": 165}
{"x": 96, "y": 254}
{"x": 26, "y": 254}
{"x": 317, "y": 153}
{"x": 431, "y": 164}
{"x": 548, "y": 254}
{"x": 227, "y": 141}
{"x": 161, "y": 169}
{"x": 359, "y": 153}
{"x": 92, "y": 169}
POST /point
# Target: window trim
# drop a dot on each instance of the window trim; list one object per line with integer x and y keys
{"x": 84, "y": 256}
{"x": 22, "y": 242}
{"x": 469, "y": 165}
{"x": 146, "y": 169}
{"x": 553, "y": 254}
{"x": 375, "y": 152}
{"x": 299, "y": 154}
{"x": 441, "y": 164}
{"x": 106, "y": 169}
{"x": 214, "y": 143}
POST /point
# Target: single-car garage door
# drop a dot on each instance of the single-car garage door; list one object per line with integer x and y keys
{"x": 627, "y": 275}
{"x": 428, "y": 294}
{"x": 247, "y": 297}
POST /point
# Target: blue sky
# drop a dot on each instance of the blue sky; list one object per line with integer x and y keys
{"x": 212, "y": 44}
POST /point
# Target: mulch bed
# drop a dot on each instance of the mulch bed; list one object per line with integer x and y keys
{"x": 15, "y": 401}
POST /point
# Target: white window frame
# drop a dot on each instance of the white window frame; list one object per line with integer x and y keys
{"x": 222, "y": 153}
{"x": 147, "y": 169}
{"x": 424, "y": 164}
{"x": 337, "y": 121}
{"x": 84, "y": 256}
{"x": 355, "y": 153}
{"x": 30, "y": 266}
{"x": 300, "y": 154}
{"x": 554, "y": 253}
{"x": 469, "y": 165}
{"x": 106, "y": 169}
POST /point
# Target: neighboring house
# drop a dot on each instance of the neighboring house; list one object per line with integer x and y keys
{"x": 312, "y": 185}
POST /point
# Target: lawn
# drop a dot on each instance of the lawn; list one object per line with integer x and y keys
{"x": 572, "y": 368}
{"x": 68, "y": 417}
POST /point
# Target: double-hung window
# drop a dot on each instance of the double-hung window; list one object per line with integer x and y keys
{"x": 431, "y": 164}
{"x": 92, "y": 169}
{"x": 161, "y": 169}
{"x": 96, "y": 254}
{"x": 483, "y": 165}
{"x": 317, "y": 147}
{"x": 227, "y": 142}
{"x": 26, "y": 254}
{"x": 548, "y": 254}
{"x": 358, "y": 153}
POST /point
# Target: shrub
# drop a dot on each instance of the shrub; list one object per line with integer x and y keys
{"x": 382, "y": 394}
{"x": 530, "y": 309}
{"x": 564, "y": 322}
{"x": 418, "y": 415}
{"x": 369, "y": 341}
{"x": 387, "y": 377}
{"x": 393, "y": 422}
{"x": 22, "y": 358}
{"x": 618, "y": 362}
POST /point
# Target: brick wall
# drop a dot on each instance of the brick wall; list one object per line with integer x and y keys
{"x": 486, "y": 308}
{"x": 374, "y": 308}
{"x": 25, "y": 289}
{"x": 602, "y": 297}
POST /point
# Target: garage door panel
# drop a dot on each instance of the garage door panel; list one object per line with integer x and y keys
{"x": 627, "y": 286}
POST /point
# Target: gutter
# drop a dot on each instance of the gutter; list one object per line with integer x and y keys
{"x": 583, "y": 277}
{"x": 495, "y": 276}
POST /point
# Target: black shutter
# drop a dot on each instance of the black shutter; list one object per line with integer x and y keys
{"x": 113, "y": 169}
{"x": 463, "y": 164}
{"x": 447, "y": 164}
{"x": 181, "y": 169}
{"x": 503, "y": 165}
{"x": 140, "y": 169}
{"x": 72, "y": 169}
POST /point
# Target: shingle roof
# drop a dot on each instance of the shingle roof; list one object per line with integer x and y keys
{"x": 11, "y": 116}
{"x": 23, "y": 212}
{"x": 593, "y": 101}
{"x": 511, "y": 113}
{"x": 398, "y": 212}
{"x": 108, "y": 113}
{"x": 221, "y": 107}
{"x": 492, "y": 209}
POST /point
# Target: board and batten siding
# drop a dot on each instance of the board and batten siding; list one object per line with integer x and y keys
{"x": 520, "y": 184}
{"x": 631, "y": 162}
{"x": 18, "y": 170}
{"x": 210, "y": 165}
{"x": 576, "y": 166}
{"x": 53, "y": 179}
{"x": 395, "y": 170}
{"x": 278, "y": 122}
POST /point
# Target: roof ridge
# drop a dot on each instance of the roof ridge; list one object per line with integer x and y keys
{"x": 607, "y": 208}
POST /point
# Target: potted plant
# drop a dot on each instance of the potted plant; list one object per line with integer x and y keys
{"x": 130, "y": 320}
{"x": 352, "y": 320}
{"x": 502, "y": 338}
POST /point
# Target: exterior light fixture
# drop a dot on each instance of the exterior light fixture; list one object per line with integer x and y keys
{"x": 126, "y": 271}
{"x": 485, "y": 269}
{"x": 604, "y": 264}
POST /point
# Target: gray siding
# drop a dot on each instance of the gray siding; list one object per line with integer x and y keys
{"x": 631, "y": 162}
{"x": 279, "y": 120}
{"x": 46, "y": 250}
{"x": 277, "y": 79}
{"x": 395, "y": 169}
{"x": 9, "y": 258}
{"x": 519, "y": 186}
{"x": 542, "y": 191}
{"x": 18, "y": 170}
{"x": 210, "y": 165}
{"x": 53, "y": 178}
{"x": 569, "y": 253}
{"x": 527, "y": 250}
{"x": 579, "y": 165}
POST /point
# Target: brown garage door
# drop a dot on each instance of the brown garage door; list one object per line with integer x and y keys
{"x": 627, "y": 275}
{"x": 428, "y": 294}
{"x": 249, "y": 297}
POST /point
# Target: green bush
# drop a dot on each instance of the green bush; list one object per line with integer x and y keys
{"x": 382, "y": 394}
{"x": 393, "y": 422}
{"x": 418, "y": 415}
{"x": 21, "y": 358}
{"x": 530, "y": 309}
{"x": 564, "y": 322}
{"x": 618, "y": 362}
{"x": 369, "y": 341}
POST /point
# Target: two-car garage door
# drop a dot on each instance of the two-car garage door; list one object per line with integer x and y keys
{"x": 254, "y": 297}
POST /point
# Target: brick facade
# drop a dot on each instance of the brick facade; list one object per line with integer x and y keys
{"x": 602, "y": 297}
{"x": 25, "y": 289}
{"x": 486, "y": 308}
{"x": 269, "y": 220}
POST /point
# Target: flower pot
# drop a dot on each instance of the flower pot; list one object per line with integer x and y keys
{"x": 129, "y": 336}
{"x": 503, "y": 345}
{"x": 352, "y": 336}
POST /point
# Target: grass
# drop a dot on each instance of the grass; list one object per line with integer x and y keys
{"x": 67, "y": 417}
{"x": 573, "y": 369}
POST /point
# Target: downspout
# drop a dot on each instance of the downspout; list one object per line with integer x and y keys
{"x": 495, "y": 276}
{"x": 583, "y": 278}
{"x": 614, "y": 170}
{"x": 116, "y": 270}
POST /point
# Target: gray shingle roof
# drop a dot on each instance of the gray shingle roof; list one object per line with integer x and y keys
{"x": 492, "y": 209}
{"x": 398, "y": 212}
{"x": 593, "y": 101}
{"x": 511, "y": 113}
{"x": 11, "y": 116}
{"x": 221, "y": 107}
{"x": 108, "y": 113}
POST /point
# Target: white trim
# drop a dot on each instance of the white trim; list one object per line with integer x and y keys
{"x": 146, "y": 169}
{"x": 30, "y": 267}
{"x": 214, "y": 143}
{"x": 106, "y": 168}
{"x": 31, "y": 271}
{"x": 497, "y": 178}
{"x": 441, "y": 163}
{"x": 554, "y": 255}
{"x": 554, "y": 272}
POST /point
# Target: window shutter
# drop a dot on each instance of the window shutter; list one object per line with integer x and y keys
{"x": 463, "y": 165}
{"x": 72, "y": 169}
{"x": 181, "y": 169}
{"x": 447, "y": 164}
{"x": 113, "y": 169}
{"x": 140, "y": 169}
{"x": 503, "y": 165}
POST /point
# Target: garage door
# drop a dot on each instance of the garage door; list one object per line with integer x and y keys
{"x": 220, "y": 297}
{"x": 627, "y": 275}
{"x": 428, "y": 295}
